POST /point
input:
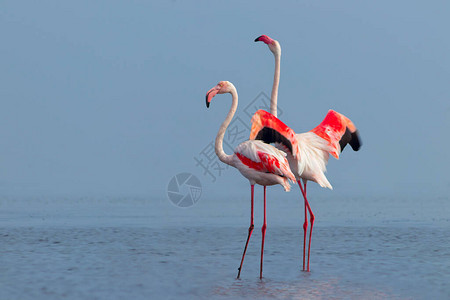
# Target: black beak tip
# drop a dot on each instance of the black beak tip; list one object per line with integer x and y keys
{"x": 207, "y": 103}
{"x": 257, "y": 39}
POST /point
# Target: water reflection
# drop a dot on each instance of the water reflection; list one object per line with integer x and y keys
{"x": 145, "y": 262}
{"x": 302, "y": 287}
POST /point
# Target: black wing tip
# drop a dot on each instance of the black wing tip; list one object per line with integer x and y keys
{"x": 269, "y": 135}
{"x": 351, "y": 138}
{"x": 207, "y": 103}
{"x": 355, "y": 142}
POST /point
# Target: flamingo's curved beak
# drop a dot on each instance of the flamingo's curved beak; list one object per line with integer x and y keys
{"x": 210, "y": 94}
{"x": 264, "y": 38}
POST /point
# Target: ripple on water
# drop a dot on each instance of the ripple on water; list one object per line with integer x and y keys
{"x": 139, "y": 262}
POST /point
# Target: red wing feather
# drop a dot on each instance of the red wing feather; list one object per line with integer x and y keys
{"x": 268, "y": 163}
{"x": 338, "y": 130}
{"x": 270, "y": 129}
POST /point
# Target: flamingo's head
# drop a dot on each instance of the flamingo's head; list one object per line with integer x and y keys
{"x": 221, "y": 88}
{"x": 274, "y": 46}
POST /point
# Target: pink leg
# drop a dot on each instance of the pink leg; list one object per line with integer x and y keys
{"x": 250, "y": 230}
{"x": 304, "y": 181}
{"x": 311, "y": 216}
{"x": 263, "y": 230}
{"x": 305, "y": 225}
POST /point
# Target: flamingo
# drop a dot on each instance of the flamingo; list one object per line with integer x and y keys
{"x": 257, "y": 161}
{"x": 307, "y": 153}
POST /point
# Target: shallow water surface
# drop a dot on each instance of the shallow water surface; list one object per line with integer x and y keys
{"x": 101, "y": 256}
{"x": 347, "y": 262}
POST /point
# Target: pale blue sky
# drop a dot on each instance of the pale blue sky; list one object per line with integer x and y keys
{"x": 108, "y": 97}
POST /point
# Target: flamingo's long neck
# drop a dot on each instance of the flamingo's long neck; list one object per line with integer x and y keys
{"x": 219, "y": 139}
{"x": 276, "y": 83}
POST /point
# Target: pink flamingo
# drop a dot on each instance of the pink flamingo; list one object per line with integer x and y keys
{"x": 260, "y": 163}
{"x": 308, "y": 152}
